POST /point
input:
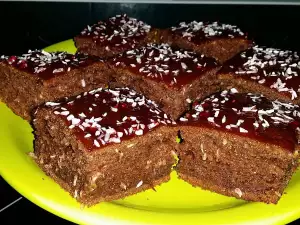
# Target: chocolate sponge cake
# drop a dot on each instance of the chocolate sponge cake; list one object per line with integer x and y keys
{"x": 240, "y": 145}
{"x": 218, "y": 40}
{"x": 114, "y": 36}
{"x": 31, "y": 79}
{"x": 168, "y": 76}
{"x": 268, "y": 71}
{"x": 104, "y": 144}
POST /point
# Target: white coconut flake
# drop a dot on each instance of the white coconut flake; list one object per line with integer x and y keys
{"x": 139, "y": 184}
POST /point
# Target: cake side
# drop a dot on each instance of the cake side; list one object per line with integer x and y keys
{"x": 170, "y": 77}
{"x": 77, "y": 81}
{"x": 100, "y": 164}
{"x": 240, "y": 144}
{"x": 115, "y": 35}
{"x": 39, "y": 76}
{"x": 19, "y": 90}
{"x": 233, "y": 165}
{"x": 271, "y": 72}
{"x": 221, "y": 41}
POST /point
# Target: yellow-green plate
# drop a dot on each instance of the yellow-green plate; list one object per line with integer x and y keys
{"x": 175, "y": 202}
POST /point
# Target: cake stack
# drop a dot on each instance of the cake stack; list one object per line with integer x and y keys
{"x": 106, "y": 119}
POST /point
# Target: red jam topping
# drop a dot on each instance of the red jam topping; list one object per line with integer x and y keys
{"x": 198, "y": 32}
{"x": 107, "y": 116}
{"x": 120, "y": 31}
{"x": 249, "y": 115}
{"x": 163, "y": 64}
{"x": 273, "y": 68}
{"x": 47, "y": 65}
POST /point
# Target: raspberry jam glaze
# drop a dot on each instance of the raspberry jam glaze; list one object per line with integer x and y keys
{"x": 273, "y": 68}
{"x": 197, "y": 32}
{"x": 120, "y": 31}
{"x": 164, "y": 64}
{"x": 107, "y": 116}
{"x": 249, "y": 115}
{"x": 47, "y": 65}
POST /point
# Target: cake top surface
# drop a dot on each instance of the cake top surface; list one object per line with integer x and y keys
{"x": 247, "y": 114}
{"x": 164, "y": 64}
{"x": 46, "y": 65}
{"x": 119, "y": 31}
{"x": 273, "y": 68}
{"x": 198, "y": 32}
{"x": 107, "y": 116}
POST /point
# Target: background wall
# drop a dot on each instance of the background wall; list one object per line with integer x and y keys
{"x": 36, "y": 24}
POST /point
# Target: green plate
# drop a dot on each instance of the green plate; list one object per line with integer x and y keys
{"x": 175, "y": 202}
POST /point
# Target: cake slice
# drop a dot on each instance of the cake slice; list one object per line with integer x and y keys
{"x": 104, "y": 144}
{"x": 115, "y": 35}
{"x": 168, "y": 76}
{"x": 218, "y": 40}
{"x": 271, "y": 72}
{"x": 240, "y": 144}
{"x": 31, "y": 79}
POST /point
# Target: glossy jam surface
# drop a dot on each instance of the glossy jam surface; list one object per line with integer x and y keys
{"x": 47, "y": 65}
{"x": 273, "y": 68}
{"x": 107, "y": 116}
{"x": 120, "y": 31}
{"x": 249, "y": 115}
{"x": 164, "y": 64}
{"x": 197, "y": 32}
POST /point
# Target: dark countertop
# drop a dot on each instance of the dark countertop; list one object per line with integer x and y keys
{"x": 16, "y": 209}
{"x": 36, "y": 25}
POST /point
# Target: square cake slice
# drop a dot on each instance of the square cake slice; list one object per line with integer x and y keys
{"x": 168, "y": 76}
{"x": 240, "y": 144}
{"x": 115, "y": 35}
{"x": 34, "y": 78}
{"x": 218, "y": 40}
{"x": 268, "y": 71}
{"x": 104, "y": 144}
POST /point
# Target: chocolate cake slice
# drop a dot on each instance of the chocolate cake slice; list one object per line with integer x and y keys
{"x": 31, "y": 79}
{"x": 168, "y": 76}
{"x": 104, "y": 144}
{"x": 271, "y": 72}
{"x": 114, "y": 36}
{"x": 240, "y": 144}
{"x": 218, "y": 40}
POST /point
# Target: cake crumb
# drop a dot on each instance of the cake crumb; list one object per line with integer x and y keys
{"x": 76, "y": 194}
{"x": 123, "y": 186}
{"x": 139, "y": 184}
{"x": 82, "y": 207}
{"x": 161, "y": 162}
{"x": 188, "y": 100}
{"x": 238, "y": 192}
{"x": 278, "y": 194}
{"x": 204, "y": 156}
{"x": 83, "y": 83}
{"x": 75, "y": 180}
{"x": 32, "y": 155}
{"x": 173, "y": 153}
{"x": 217, "y": 155}
{"x": 130, "y": 145}
{"x": 224, "y": 142}
{"x": 96, "y": 176}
